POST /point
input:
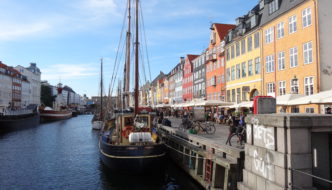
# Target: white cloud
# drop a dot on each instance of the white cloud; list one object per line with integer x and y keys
{"x": 69, "y": 71}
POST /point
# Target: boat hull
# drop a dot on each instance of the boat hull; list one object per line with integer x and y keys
{"x": 19, "y": 122}
{"x": 147, "y": 159}
{"x": 51, "y": 115}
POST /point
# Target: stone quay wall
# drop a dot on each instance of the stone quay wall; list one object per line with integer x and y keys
{"x": 275, "y": 143}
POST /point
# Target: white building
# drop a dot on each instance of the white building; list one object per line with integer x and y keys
{"x": 5, "y": 88}
{"x": 33, "y": 76}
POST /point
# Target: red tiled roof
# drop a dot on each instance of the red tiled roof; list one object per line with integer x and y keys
{"x": 222, "y": 29}
{"x": 191, "y": 57}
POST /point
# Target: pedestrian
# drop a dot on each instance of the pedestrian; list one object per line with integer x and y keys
{"x": 215, "y": 117}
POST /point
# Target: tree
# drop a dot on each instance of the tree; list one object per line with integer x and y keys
{"x": 46, "y": 96}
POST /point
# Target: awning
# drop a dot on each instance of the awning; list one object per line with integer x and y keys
{"x": 323, "y": 97}
{"x": 285, "y": 99}
{"x": 212, "y": 103}
{"x": 243, "y": 105}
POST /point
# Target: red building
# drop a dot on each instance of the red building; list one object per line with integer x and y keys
{"x": 187, "y": 83}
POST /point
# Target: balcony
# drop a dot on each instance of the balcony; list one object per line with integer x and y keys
{"x": 212, "y": 57}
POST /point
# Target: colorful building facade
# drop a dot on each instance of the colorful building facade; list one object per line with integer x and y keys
{"x": 215, "y": 62}
{"x": 187, "y": 85}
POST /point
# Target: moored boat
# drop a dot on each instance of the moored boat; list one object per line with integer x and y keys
{"x": 19, "y": 119}
{"x": 48, "y": 114}
{"x": 129, "y": 145}
{"x": 60, "y": 111}
{"x": 128, "y": 142}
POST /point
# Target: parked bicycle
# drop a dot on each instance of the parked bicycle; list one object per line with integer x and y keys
{"x": 207, "y": 127}
{"x": 186, "y": 124}
{"x": 239, "y": 133}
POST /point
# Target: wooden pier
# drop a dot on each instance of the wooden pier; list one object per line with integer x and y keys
{"x": 206, "y": 158}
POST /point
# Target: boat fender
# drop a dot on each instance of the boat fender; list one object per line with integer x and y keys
{"x": 127, "y": 131}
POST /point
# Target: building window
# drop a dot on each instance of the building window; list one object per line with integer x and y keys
{"x": 309, "y": 110}
{"x": 233, "y": 95}
{"x": 256, "y": 39}
{"x": 269, "y": 35}
{"x": 250, "y": 73}
{"x": 292, "y": 24}
{"x": 281, "y": 31}
{"x": 232, "y": 52}
{"x": 282, "y": 88}
{"x": 222, "y": 78}
{"x": 295, "y": 109}
{"x": 257, "y": 65}
{"x": 270, "y": 88}
{"x": 244, "y": 69}
{"x": 308, "y": 85}
{"x": 307, "y": 52}
{"x": 281, "y": 60}
{"x": 243, "y": 46}
{"x": 228, "y": 77}
{"x": 270, "y": 64}
{"x": 238, "y": 73}
{"x": 222, "y": 62}
{"x": 295, "y": 86}
{"x": 237, "y": 49}
{"x": 293, "y": 57}
{"x": 306, "y": 17}
{"x": 228, "y": 94}
{"x": 238, "y": 95}
{"x": 249, "y": 41}
{"x": 273, "y": 6}
{"x": 233, "y": 73}
{"x": 244, "y": 95}
{"x": 227, "y": 54}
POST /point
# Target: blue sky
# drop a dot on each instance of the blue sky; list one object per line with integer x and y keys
{"x": 67, "y": 38}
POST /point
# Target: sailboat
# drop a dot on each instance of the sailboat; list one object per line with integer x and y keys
{"x": 128, "y": 143}
{"x": 97, "y": 120}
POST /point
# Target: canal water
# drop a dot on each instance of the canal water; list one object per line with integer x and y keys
{"x": 64, "y": 155}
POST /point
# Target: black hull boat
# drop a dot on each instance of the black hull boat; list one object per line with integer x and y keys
{"x": 127, "y": 149}
{"x": 147, "y": 159}
{"x": 129, "y": 143}
{"x": 10, "y": 123}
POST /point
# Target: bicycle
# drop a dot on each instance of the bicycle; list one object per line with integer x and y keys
{"x": 240, "y": 135}
{"x": 186, "y": 124}
{"x": 207, "y": 127}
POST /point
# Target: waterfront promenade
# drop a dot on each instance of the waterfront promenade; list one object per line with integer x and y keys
{"x": 219, "y": 137}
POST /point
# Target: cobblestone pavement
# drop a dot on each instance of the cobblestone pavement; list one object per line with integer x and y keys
{"x": 219, "y": 137}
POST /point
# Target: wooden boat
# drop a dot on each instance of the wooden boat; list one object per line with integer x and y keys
{"x": 128, "y": 143}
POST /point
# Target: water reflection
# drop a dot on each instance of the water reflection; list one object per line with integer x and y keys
{"x": 65, "y": 155}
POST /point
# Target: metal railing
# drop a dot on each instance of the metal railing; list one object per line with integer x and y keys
{"x": 308, "y": 174}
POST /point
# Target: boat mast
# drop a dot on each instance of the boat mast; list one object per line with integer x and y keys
{"x": 101, "y": 88}
{"x": 136, "y": 62}
{"x": 126, "y": 79}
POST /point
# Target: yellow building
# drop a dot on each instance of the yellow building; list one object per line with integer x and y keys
{"x": 243, "y": 59}
{"x": 289, "y": 53}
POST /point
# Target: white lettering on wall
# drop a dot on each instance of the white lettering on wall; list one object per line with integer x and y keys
{"x": 264, "y": 136}
{"x": 262, "y": 165}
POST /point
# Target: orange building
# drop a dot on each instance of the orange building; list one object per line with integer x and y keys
{"x": 215, "y": 62}
{"x": 290, "y": 55}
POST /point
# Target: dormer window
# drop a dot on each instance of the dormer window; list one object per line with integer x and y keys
{"x": 273, "y": 6}
{"x": 213, "y": 37}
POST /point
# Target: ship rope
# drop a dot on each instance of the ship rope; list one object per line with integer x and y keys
{"x": 146, "y": 47}
{"x": 116, "y": 66}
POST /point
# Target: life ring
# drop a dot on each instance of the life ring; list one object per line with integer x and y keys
{"x": 128, "y": 129}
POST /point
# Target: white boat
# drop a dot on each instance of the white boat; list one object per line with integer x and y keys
{"x": 97, "y": 125}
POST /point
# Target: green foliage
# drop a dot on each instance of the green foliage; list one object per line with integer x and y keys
{"x": 46, "y": 97}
